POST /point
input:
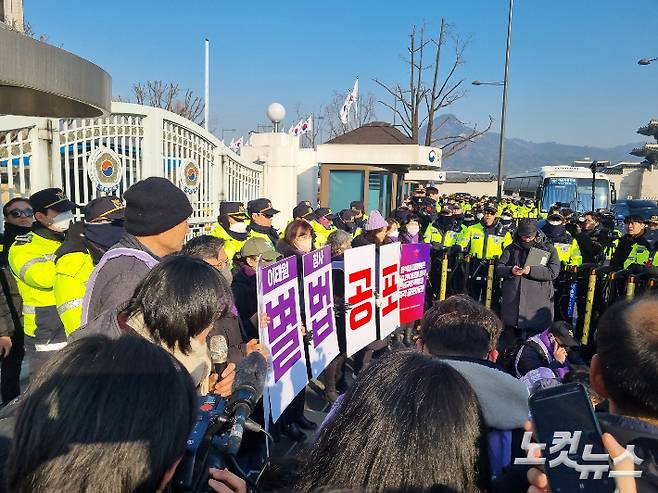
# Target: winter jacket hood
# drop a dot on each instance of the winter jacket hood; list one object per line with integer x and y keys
{"x": 503, "y": 398}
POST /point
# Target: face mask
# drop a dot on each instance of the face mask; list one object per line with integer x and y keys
{"x": 413, "y": 229}
{"x": 394, "y": 234}
{"x": 227, "y": 274}
{"x": 303, "y": 244}
{"x": 240, "y": 227}
{"x": 104, "y": 235}
{"x": 61, "y": 222}
{"x": 554, "y": 223}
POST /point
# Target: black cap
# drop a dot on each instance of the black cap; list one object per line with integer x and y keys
{"x": 564, "y": 331}
{"x": 491, "y": 208}
{"x": 347, "y": 215}
{"x": 307, "y": 203}
{"x": 234, "y": 209}
{"x": 357, "y": 205}
{"x": 109, "y": 208}
{"x": 527, "y": 227}
{"x": 261, "y": 206}
{"x": 632, "y": 218}
{"x": 303, "y": 211}
{"x": 556, "y": 216}
{"x": 446, "y": 210}
{"x": 325, "y": 212}
{"x": 155, "y": 205}
{"x": 51, "y": 198}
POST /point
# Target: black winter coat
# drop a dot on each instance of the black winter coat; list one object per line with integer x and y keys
{"x": 528, "y": 299}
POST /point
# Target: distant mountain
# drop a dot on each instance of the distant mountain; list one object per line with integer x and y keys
{"x": 521, "y": 154}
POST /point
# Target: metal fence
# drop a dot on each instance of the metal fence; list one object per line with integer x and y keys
{"x": 141, "y": 141}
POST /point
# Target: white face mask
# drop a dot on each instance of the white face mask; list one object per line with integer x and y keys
{"x": 394, "y": 234}
{"x": 554, "y": 223}
{"x": 61, "y": 222}
{"x": 240, "y": 227}
{"x": 413, "y": 229}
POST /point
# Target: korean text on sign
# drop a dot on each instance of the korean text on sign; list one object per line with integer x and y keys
{"x": 319, "y": 309}
{"x": 279, "y": 298}
{"x": 388, "y": 299}
{"x": 360, "y": 322}
{"x": 414, "y": 266}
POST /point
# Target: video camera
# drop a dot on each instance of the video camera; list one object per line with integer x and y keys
{"x": 217, "y": 434}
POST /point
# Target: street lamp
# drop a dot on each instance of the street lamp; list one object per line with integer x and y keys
{"x": 480, "y": 83}
{"x": 504, "y": 83}
{"x": 646, "y": 61}
{"x": 227, "y": 130}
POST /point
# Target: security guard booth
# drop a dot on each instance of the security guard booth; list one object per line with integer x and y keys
{"x": 369, "y": 164}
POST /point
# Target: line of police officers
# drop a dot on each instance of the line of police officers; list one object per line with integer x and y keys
{"x": 50, "y": 260}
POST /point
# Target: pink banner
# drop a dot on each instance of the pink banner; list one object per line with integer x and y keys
{"x": 414, "y": 266}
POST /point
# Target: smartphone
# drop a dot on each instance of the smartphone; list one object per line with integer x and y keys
{"x": 567, "y": 408}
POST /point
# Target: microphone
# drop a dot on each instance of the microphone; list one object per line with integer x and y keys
{"x": 218, "y": 350}
{"x": 248, "y": 385}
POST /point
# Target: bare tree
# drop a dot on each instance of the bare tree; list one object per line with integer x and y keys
{"x": 168, "y": 96}
{"x": 314, "y": 135}
{"x": 419, "y": 103}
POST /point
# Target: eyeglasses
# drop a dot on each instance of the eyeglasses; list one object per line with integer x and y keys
{"x": 21, "y": 213}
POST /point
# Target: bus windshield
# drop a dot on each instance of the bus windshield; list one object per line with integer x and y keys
{"x": 575, "y": 193}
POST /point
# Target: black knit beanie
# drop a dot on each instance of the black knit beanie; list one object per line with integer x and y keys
{"x": 154, "y": 206}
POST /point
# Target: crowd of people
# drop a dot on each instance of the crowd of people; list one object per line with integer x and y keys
{"x": 114, "y": 314}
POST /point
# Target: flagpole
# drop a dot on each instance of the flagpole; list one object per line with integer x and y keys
{"x": 356, "y": 111}
{"x": 206, "y": 109}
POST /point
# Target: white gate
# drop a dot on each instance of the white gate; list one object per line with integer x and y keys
{"x": 36, "y": 153}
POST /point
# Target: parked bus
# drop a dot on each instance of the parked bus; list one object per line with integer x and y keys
{"x": 570, "y": 186}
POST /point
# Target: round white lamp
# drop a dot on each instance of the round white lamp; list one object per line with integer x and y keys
{"x": 276, "y": 113}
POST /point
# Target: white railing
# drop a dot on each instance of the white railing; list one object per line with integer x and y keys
{"x": 38, "y": 152}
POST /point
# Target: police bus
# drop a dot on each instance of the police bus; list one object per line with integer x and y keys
{"x": 568, "y": 186}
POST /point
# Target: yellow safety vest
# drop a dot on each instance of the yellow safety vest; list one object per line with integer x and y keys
{"x": 321, "y": 234}
{"x": 231, "y": 245}
{"x": 481, "y": 245}
{"x": 569, "y": 253}
{"x": 72, "y": 272}
{"x": 31, "y": 259}
{"x": 257, "y": 234}
{"x": 434, "y": 235}
{"x": 639, "y": 254}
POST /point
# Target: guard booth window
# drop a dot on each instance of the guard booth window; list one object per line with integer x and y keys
{"x": 379, "y": 192}
{"x": 345, "y": 187}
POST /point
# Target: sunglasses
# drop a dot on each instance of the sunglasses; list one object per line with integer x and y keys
{"x": 269, "y": 216}
{"x": 21, "y": 213}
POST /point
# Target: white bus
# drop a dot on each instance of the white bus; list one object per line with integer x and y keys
{"x": 570, "y": 186}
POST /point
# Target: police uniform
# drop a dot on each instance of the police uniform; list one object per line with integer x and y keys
{"x": 31, "y": 259}
{"x": 485, "y": 242}
{"x": 233, "y": 240}
{"x": 322, "y": 233}
{"x": 74, "y": 262}
{"x": 268, "y": 233}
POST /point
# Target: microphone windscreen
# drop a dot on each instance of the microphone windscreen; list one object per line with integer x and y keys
{"x": 218, "y": 349}
{"x": 252, "y": 372}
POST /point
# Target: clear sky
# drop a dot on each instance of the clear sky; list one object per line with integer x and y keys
{"x": 573, "y": 72}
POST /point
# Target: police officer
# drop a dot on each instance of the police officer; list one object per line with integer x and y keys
{"x": 507, "y": 221}
{"x": 231, "y": 227}
{"x": 85, "y": 245}
{"x": 445, "y": 231}
{"x": 31, "y": 259}
{"x": 261, "y": 213}
{"x": 633, "y": 247}
{"x": 484, "y": 240}
{"x": 566, "y": 246}
{"x": 346, "y": 222}
{"x": 359, "y": 208}
{"x": 323, "y": 226}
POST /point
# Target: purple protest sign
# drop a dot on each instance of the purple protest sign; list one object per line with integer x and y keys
{"x": 278, "y": 294}
{"x": 414, "y": 265}
{"x": 319, "y": 309}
